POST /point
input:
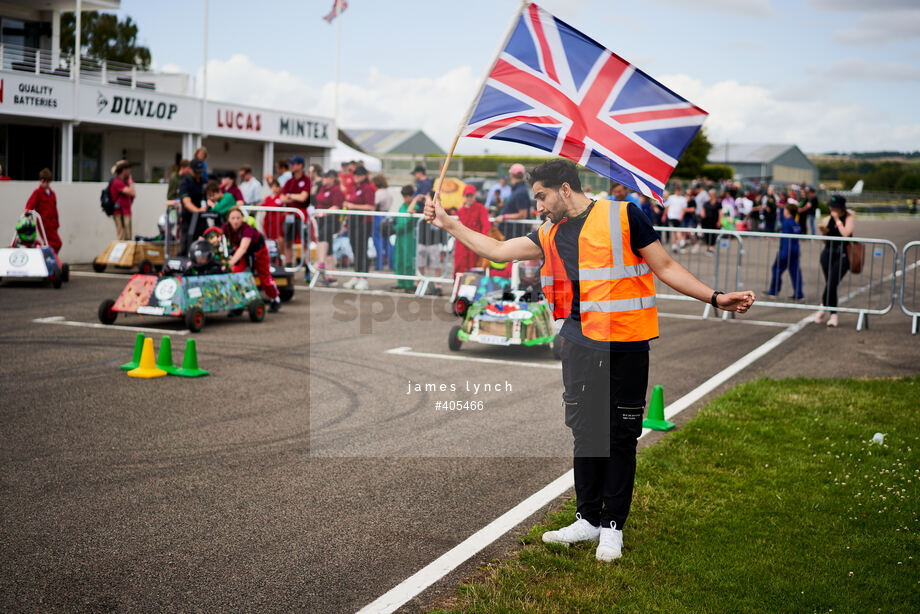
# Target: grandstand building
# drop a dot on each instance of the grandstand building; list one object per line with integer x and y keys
{"x": 80, "y": 122}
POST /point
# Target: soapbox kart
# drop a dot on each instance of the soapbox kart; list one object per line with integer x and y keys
{"x": 499, "y": 311}
{"x": 145, "y": 256}
{"x": 38, "y": 263}
{"x": 182, "y": 295}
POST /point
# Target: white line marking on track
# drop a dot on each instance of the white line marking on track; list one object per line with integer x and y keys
{"x": 456, "y": 556}
{"x": 406, "y": 351}
{"x": 136, "y": 329}
{"x": 126, "y": 276}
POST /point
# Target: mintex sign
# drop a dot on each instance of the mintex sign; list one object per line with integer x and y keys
{"x": 35, "y": 96}
{"x": 131, "y": 107}
{"x": 266, "y": 125}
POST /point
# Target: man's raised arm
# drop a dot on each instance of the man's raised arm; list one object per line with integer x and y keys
{"x": 519, "y": 248}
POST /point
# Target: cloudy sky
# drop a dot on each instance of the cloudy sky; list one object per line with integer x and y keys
{"x": 825, "y": 74}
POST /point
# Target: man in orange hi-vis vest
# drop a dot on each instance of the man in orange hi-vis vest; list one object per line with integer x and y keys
{"x": 598, "y": 261}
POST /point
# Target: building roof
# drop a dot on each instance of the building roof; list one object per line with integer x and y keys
{"x": 749, "y": 153}
{"x": 381, "y": 142}
{"x": 65, "y": 5}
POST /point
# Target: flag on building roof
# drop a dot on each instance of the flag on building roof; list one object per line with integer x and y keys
{"x": 553, "y": 88}
{"x": 338, "y": 7}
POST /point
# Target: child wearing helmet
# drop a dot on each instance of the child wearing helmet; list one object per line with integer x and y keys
{"x": 201, "y": 255}
{"x": 215, "y": 237}
{"x": 26, "y": 235}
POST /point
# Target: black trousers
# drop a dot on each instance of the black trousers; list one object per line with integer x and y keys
{"x": 604, "y": 403}
{"x": 835, "y": 265}
{"x": 358, "y": 233}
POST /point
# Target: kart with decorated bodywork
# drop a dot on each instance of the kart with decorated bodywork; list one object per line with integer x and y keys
{"x": 500, "y": 311}
{"x": 190, "y": 297}
{"x": 35, "y": 261}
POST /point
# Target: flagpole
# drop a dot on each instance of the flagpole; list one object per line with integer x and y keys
{"x": 338, "y": 54}
{"x": 482, "y": 87}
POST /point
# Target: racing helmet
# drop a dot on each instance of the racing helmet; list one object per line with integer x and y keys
{"x": 201, "y": 253}
{"x": 25, "y": 229}
{"x": 529, "y": 273}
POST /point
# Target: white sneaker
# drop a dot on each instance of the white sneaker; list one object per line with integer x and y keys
{"x": 361, "y": 284}
{"x": 579, "y": 531}
{"x": 350, "y": 283}
{"x": 610, "y": 546}
{"x": 819, "y": 317}
{"x": 833, "y": 320}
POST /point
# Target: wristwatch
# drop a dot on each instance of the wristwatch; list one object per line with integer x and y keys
{"x": 713, "y": 301}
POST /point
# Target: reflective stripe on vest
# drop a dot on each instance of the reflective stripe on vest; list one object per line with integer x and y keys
{"x": 626, "y": 304}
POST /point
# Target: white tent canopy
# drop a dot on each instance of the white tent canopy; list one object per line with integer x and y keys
{"x": 344, "y": 153}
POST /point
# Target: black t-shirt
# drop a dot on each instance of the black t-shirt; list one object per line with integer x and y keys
{"x": 769, "y": 207}
{"x": 641, "y": 234}
{"x": 191, "y": 188}
{"x": 711, "y": 215}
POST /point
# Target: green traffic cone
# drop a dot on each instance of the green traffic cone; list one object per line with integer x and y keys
{"x": 136, "y": 359}
{"x": 164, "y": 358}
{"x": 190, "y": 362}
{"x": 655, "y": 420}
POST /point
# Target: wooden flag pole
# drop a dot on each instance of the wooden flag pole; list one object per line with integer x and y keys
{"x": 482, "y": 87}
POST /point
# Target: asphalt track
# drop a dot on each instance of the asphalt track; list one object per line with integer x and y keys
{"x": 216, "y": 494}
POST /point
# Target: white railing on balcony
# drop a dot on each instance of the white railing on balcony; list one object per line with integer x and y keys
{"x": 92, "y": 70}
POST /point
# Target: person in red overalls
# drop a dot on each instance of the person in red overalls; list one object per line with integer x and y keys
{"x": 249, "y": 248}
{"x": 44, "y": 202}
{"x": 472, "y": 215}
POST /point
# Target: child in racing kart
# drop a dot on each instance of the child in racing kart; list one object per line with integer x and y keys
{"x": 249, "y": 248}
{"x": 25, "y": 233}
{"x": 215, "y": 237}
{"x": 203, "y": 262}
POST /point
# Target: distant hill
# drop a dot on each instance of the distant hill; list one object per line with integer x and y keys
{"x": 874, "y": 156}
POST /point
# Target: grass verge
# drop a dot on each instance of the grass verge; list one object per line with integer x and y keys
{"x": 773, "y": 499}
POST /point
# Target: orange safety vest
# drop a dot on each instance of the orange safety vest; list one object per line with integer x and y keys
{"x": 616, "y": 287}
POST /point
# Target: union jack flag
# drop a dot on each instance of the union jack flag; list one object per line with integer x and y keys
{"x": 556, "y": 89}
{"x": 338, "y": 7}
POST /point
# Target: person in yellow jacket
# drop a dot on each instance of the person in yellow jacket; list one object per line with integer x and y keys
{"x": 599, "y": 258}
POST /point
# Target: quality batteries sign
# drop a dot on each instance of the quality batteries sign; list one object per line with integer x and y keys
{"x": 36, "y": 96}
{"x": 134, "y": 108}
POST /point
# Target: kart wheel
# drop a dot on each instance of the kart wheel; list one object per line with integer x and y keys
{"x": 256, "y": 310}
{"x": 146, "y": 267}
{"x": 107, "y": 315}
{"x": 56, "y": 281}
{"x": 453, "y": 340}
{"x": 194, "y": 319}
{"x": 557, "y": 347}
{"x": 98, "y": 266}
{"x": 461, "y": 305}
{"x": 65, "y": 272}
{"x": 286, "y": 293}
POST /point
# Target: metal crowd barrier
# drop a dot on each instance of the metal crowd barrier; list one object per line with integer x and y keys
{"x": 910, "y": 306}
{"x": 869, "y": 292}
{"x": 711, "y": 255}
{"x": 304, "y": 237}
{"x": 727, "y": 259}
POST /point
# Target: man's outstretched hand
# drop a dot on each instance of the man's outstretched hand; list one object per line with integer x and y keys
{"x": 736, "y": 301}
{"x": 435, "y": 213}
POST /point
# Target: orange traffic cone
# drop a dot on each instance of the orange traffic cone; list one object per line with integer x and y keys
{"x": 148, "y": 367}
